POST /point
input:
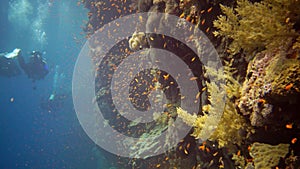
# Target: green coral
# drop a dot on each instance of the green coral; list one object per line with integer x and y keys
{"x": 256, "y": 26}
{"x": 266, "y": 156}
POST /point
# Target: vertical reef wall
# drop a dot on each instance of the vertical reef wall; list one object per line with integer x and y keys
{"x": 259, "y": 45}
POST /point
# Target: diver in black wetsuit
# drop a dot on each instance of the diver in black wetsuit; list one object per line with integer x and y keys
{"x": 36, "y": 68}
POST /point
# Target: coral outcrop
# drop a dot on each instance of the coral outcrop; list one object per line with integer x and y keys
{"x": 252, "y": 101}
{"x": 267, "y": 156}
{"x": 272, "y": 77}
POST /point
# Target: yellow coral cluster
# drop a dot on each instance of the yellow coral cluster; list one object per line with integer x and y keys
{"x": 230, "y": 127}
{"x": 231, "y": 124}
{"x": 266, "y": 156}
{"x": 260, "y": 25}
{"x": 222, "y": 124}
{"x": 284, "y": 76}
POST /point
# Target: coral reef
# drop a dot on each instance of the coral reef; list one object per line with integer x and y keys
{"x": 261, "y": 100}
{"x": 227, "y": 129}
{"x": 190, "y": 10}
{"x": 271, "y": 77}
{"x": 252, "y": 101}
{"x": 284, "y": 76}
{"x": 267, "y": 156}
{"x": 230, "y": 128}
{"x": 165, "y": 6}
{"x": 189, "y": 119}
{"x": 138, "y": 41}
{"x": 143, "y": 147}
{"x": 269, "y": 24}
{"x": 102, "y": 12}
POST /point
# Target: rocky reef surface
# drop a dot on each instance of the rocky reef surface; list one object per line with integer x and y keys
{"x": 259, "y": 45}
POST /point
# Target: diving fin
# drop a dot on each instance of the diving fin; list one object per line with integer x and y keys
{"x": 13, "y": 54}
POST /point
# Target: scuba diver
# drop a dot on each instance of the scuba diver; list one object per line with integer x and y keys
{"x": 58, "y": 97}
{"x": 8, "y": 65}
{"x": 36, "y": 68}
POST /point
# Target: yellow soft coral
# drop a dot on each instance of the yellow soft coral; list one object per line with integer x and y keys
{"x": 218, "y": 123}
{"x": 260, "y": 25}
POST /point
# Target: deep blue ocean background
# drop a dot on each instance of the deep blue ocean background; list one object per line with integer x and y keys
{"x": 33, "y": 134}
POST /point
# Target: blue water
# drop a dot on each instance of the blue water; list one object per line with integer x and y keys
{"x": 31, "y": 135}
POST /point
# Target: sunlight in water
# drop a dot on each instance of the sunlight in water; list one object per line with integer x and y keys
{"x": 19, "y": 13}
{"x": 29, "y": 16}
{"x": 39, "y": 33}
